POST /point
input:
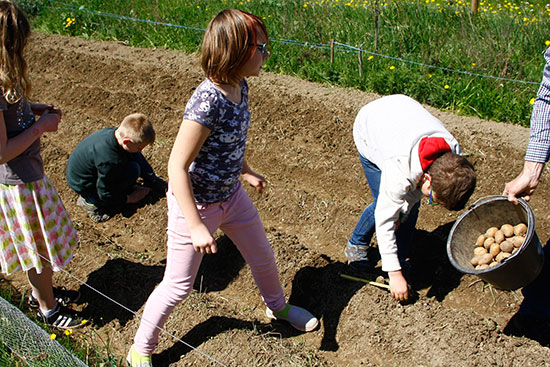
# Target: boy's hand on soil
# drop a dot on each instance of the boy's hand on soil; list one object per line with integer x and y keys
{"x": 255, "y": 180}
{"x": 203, "y": 241}
{"x": 139, "y": 193}
{"x": 398, "y": 286}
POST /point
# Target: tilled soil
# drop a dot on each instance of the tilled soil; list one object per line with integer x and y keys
{"x": 301, "y": 141}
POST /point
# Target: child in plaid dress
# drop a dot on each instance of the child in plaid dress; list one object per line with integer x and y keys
{"x": 36, "y": 232}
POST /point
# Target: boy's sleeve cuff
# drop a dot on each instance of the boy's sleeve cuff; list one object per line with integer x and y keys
{"x": 390, "y": 262}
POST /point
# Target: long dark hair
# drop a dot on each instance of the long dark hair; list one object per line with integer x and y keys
{"x": 14, "y": 34}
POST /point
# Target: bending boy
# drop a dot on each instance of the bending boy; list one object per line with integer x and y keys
{"x": 104, "y": 168}
{"x": 406, "y": 153}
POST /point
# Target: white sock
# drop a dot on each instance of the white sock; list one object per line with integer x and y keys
{"x": 48, "y": 313}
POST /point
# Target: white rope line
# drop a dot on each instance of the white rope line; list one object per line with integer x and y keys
{"x": 356, "y": 49}
{"x": 341, "y": 47}
{"x": 129, "y": 310}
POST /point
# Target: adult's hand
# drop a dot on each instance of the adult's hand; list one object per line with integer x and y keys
{"x": 525, "y": 183}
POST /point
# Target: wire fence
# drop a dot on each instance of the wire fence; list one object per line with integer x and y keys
{"x": 336, "y": 46}
{"x": 30, "y": 342}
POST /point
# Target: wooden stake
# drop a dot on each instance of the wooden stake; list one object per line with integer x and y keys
{"x": 331, "y": 52}
{"x": 376, "y": 11}
{"x": 360, "y": 55}
{"x": 475, "y": 5}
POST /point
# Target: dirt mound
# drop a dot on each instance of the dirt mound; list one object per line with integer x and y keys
{"x": 301, "y": 140}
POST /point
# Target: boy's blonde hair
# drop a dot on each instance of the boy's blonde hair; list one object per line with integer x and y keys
{"x": 14, "y": 33}
{"x": 229, "y": 41}
{"x": 453, "y": 180}
{"x": 137, "y": 128}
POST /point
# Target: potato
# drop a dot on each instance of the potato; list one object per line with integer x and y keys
{"x": 514, "y": 250}
{"x": 503, "y": 255}
{"x": 520, "y": 229}
{"x": 482, "y": 267}
{"x": 517, "y": 241}
{"x": 507, "y": 229}
{"x": 494, "y": 263}
{"x": 488, "y": 242}
{"x": 480, "y": 240}
{"x": 485, "y": 259}
{"x": 478, "y": 251}
{"x": 494, "y": 249}
{"x": 475, "y": 261}
{"x": 506, "y": 246}
{"x": 499, "y": 236}
{"x": 491, "y": 232}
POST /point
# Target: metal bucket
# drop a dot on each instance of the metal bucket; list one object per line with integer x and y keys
{"x": 493, "y": 211}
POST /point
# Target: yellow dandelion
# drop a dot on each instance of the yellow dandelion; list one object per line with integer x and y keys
{"x": 473, "y": 64}
{"x": 84, "y": 322}
{"x": 370, "y": 57}
{"x": 68, "y": 332}
{"x": 446, "y": 86}
{"x": 430, "y": 75}
{"x": 547, "y": 42}
{"x": 392, "y": 67}
{"x": 53, "y": 336}
{"x": 532, "y": 100}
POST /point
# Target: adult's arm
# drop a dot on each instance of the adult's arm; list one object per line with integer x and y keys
{"x": 538, "y": 149}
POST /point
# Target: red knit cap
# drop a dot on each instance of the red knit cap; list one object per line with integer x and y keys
{"x": 431, "y": 148}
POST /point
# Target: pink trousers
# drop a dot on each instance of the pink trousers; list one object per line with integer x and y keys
{"x": 239, "y": 220}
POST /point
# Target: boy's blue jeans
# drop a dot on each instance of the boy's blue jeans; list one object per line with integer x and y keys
{"x": 137, "y": 167}
{"x": 365, "y": 228}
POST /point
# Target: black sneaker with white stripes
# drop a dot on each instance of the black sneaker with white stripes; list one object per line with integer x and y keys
{"x": 63, "y": 296}
{"x": 62, "y": 318}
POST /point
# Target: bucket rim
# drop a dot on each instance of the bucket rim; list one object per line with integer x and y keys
{"x": 482, "y": 201}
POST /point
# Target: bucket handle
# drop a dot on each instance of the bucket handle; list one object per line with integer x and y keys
{"x": 492, "y": 197}
{"x": 484, "y": 198}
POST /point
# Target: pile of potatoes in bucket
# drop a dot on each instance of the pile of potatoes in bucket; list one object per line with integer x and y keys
{"x": 496, "y": 245}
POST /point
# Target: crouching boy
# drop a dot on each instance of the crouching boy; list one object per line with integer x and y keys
{"x": 104, "y": 168}
{"x": 406, "y": 154}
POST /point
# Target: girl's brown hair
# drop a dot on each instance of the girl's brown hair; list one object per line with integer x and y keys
{"x": 14, "y": 33}
{"x": 229, "y": 41}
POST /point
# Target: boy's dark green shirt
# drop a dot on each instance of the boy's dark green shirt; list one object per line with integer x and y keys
{"x": 96, "y": 165}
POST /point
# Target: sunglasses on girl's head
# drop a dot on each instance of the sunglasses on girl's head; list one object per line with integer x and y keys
{"x": 261, "y": 47}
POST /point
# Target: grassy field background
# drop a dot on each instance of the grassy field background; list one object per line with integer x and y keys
{"x": 486, "y": 64}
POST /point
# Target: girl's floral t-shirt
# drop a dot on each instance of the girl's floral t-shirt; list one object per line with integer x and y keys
{"x": 216, "y": 170}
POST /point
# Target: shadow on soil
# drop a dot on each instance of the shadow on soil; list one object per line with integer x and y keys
{"x": 431, "y": 267}
{"x": 318, "y": 288}
{"x": 126, "y": 282}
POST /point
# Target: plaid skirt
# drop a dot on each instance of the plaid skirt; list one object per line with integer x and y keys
{"x": 35, "y": 228}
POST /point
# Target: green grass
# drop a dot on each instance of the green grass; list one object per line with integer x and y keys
{"x": 504, "y": 39}
{"x": 86, "y": 343}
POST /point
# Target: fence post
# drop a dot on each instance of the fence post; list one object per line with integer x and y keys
{"x": 360, "y": 56}
{"x": 331, "y": 52}
{"x": 376, "y": 11}
{"x": 475, "y": 5}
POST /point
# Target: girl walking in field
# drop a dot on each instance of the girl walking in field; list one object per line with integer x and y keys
{"x": 36, "y": 233}
{"x": 205, "y": 193}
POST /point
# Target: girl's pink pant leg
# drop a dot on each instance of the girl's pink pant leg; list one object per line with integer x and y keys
{"x": 239, "y": 220}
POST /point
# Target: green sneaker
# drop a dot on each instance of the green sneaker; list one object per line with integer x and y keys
{"x": 298, "y": 317}
{"x": 135, "y": 359}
